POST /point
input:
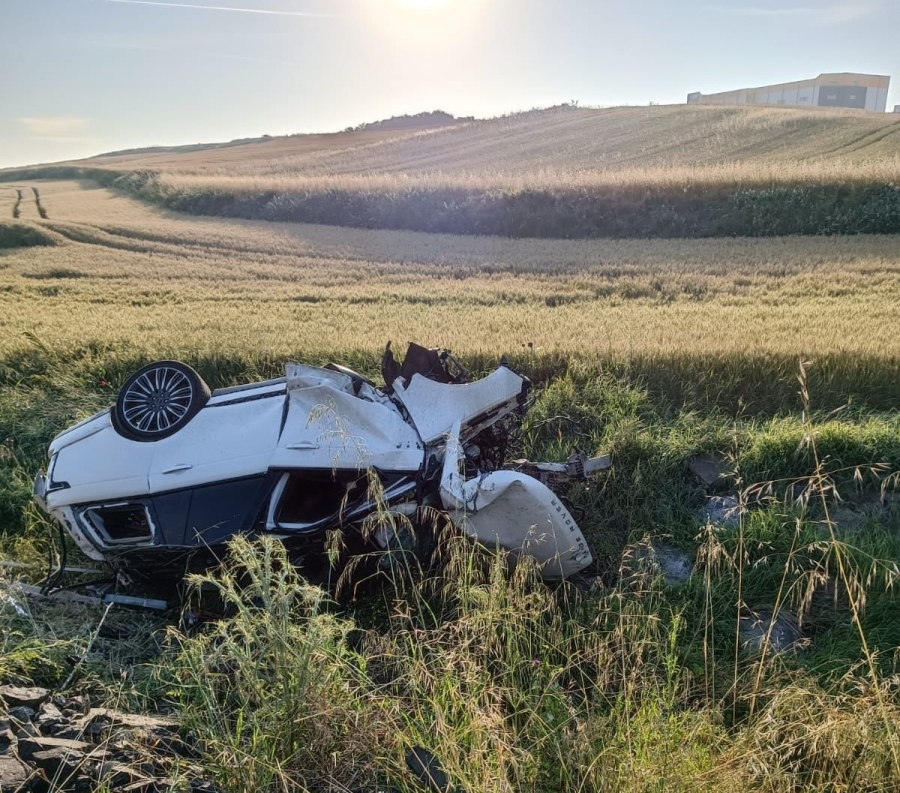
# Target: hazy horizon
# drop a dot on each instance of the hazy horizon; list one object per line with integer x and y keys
{"x": 93, "y": 76}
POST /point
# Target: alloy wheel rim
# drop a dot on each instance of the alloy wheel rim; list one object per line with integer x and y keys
{"x": 157, "y": 400}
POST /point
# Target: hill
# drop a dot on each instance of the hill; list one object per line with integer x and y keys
{"x": 558, "y": 140}
{"x": 568, "y": 172}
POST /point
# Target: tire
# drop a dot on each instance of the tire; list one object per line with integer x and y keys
{"x": 158, "y": 400}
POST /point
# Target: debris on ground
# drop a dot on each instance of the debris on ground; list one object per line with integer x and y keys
{"x": 16, "y": 696}
{"x": 654, "y": 558}
{"x": 764, "y": 631}
{"x": 62, "y": 744}
{"x": 721, "y": 511}
{"x": 708, "y": 468}
{"x": 674, "y": 563}
{"x": 427, "y": 769}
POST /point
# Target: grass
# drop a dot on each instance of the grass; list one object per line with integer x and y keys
{"x": 652, "y": 351}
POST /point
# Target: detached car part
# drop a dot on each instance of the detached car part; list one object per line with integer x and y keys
{"x": 173, "y": 469}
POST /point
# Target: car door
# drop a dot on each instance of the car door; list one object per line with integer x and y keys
{"x": 231, "y": 438}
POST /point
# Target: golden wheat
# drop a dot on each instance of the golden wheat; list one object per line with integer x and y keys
{"x": 123, "y": 271}
{"x": 566, "y": 147}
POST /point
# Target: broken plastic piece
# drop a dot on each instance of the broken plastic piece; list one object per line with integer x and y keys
{"x": 516, "y": 512}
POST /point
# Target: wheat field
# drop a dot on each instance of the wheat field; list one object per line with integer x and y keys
{"x": 122, "y": 271}
{"x": 565, "y": 145}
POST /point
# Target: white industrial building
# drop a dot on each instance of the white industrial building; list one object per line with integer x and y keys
{"x": 859, "y": 91}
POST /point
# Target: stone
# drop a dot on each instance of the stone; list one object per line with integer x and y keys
{"x": 708, "y": 468}
{"x": 648, "y": 559}
{"x": 25, "y": 729}
{"x": 13, "y": 775}
{"x": 21, "y": 714}
{"x": 76, "y": 706}
{"x": 118, "y": 775}
{"x": 783, "y": 631}
{"x": 50, "y": 711}
{"x": 16, "y": 696}
{"x": 82, "y": 784}
{"x": 674, "y": 563}
{"x": 50, "y": 719}
{"x": 108, "y": 717}
{"x": 57, "y": 763}
{"x": 204, "y": 786}
{"x": 427, "y": 769}
{"x": 722, "y": 511}
{"x": 29, "y": 746}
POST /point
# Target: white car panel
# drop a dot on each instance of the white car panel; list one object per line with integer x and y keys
{"x": 434, "y": 407}
{"x": 328, "y": 427}
{"x": 102, "y": 465}
{"x": 222, "y": 442}
{"x": 514, "y": 511}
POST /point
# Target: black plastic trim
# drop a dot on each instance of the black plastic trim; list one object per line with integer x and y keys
{"x": 235, "y": 389}
{"x": 253, "y": 398}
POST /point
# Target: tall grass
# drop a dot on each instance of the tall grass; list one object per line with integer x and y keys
{"x": 514, "y": 686}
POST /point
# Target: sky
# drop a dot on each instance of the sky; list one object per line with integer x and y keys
{"x": 86, "y": 76}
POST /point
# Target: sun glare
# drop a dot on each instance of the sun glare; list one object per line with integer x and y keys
{"x": 417, "y": 23}
{"x": 422, "y": 5}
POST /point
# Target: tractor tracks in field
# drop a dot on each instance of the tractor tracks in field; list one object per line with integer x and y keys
{"x": 20, "y": 205}
{"x": 865, "y": 141}
{"x": 146, "y": 242}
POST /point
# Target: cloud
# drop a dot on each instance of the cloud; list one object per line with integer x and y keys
{"x": 267, "y": 11}
{"x": 829, "y": 14}
{"x": 55, "y": 126}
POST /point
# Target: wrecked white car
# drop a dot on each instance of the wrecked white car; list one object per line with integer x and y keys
{"x": 173, "y": 469}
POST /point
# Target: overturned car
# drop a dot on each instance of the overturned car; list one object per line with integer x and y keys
{"x": 173, "y": 470}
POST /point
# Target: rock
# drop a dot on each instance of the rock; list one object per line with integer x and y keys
{"x": 204, "y": 786}
{"x": 50, "y": 719}
{"x": 427, "y": 769}
{"x": 57, "y": 763}
{"x": 21, "y": 714}
{"x": 13, "y": 775}
{"x": 107, "y": 717}
{"x": 708, "y": 468}
{"x": 117, "y": 775}
{"x": 82, "y": 784}
{"x": 783, "y": 631}
{"x": 15, "y": 696}
{"x": 76, "y": 706}
{"x": 674, "y": 563}
{"x": 722, "y": 511}
{"x": 648, "y": 559}
{"x": 25, "y": 729}
{"x": 50, "y": 711}
{"x": 29, "y": 746}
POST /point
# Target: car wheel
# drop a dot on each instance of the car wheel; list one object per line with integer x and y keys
{"x": 158, "y": 400}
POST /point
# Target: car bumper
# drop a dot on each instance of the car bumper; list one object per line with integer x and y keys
{"x": 40, "y": 491}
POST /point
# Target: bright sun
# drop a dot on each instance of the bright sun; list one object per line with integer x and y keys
{"x": 423, "y": 5}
